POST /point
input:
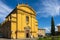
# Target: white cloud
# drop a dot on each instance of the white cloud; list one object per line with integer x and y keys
{"x": 58, "y": 24}
{"x": 56, "y": 29}
{"x": 4, "y": 10}
{"x": 51, "y": 8}
{"x": 48, "y": 29}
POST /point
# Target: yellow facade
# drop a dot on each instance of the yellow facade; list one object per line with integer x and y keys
{"x": 21, "y": 23}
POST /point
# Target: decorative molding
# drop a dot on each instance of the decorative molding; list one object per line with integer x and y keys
{"x": 13, "y": 21}
{"x": 26, "y": 12}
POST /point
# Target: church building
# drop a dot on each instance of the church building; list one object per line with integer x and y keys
{"x": 20, "y": 23}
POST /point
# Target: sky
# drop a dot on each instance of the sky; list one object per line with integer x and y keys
{"x": 45, "y": 9}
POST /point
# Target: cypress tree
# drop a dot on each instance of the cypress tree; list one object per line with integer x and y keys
{"x": 0, "y": 25}
{"x": 52, "y": 27}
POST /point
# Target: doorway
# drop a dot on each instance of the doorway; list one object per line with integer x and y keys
{"x": 27, "y": 34}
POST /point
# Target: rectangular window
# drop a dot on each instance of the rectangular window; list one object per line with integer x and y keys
{"x": 27, "y": 18}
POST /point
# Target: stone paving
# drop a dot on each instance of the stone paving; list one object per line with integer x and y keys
{"x": 19, "y": 39}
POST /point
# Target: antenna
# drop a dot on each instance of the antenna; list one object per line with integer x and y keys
{"x": 17, "y": 2}
{"x": 26, "y": 2}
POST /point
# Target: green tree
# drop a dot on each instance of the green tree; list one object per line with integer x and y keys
{"x": 0, "y": 25}
{"x": 52, "y": 27}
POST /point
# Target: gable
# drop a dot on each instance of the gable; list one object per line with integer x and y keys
{"x": 23, "y": 7}
{"x": 26, "y": 8}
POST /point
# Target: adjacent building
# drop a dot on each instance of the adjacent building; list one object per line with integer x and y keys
{"x": 58, "y": 26}
{"x": 58, "y": 31}
{"x": 41, "y": 32}
{"x": 21, "y": 23}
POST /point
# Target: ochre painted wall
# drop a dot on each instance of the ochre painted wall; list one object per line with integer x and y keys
{"x": 18, "y": 22}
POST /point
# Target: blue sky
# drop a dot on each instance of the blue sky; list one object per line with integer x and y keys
{"x": 44, "y": 10}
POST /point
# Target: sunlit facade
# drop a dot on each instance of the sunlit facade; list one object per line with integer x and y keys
{"x": 21, "y": 23}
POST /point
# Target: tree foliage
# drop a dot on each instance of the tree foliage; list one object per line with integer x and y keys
{"x": 52, "y": 27}
{"x": 0, "y": 24}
